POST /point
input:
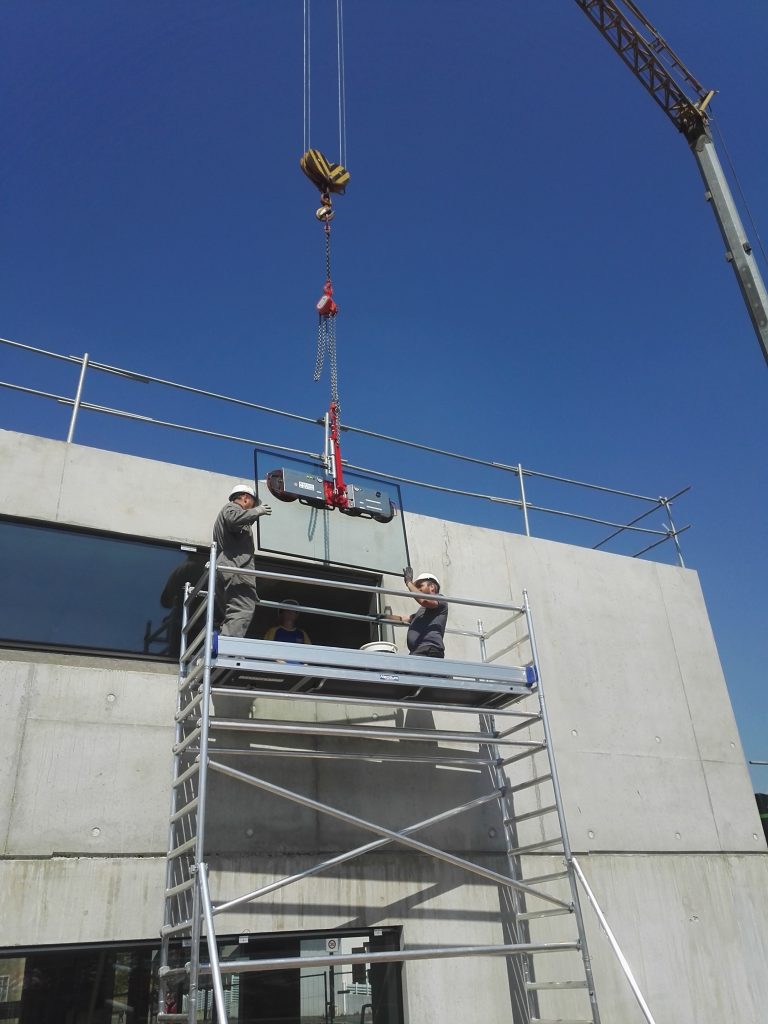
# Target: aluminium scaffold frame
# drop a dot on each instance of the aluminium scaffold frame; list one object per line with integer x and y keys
{"x": 326, "y": 675}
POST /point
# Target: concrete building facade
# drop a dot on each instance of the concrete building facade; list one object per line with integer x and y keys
{"x": 657, "y": 795}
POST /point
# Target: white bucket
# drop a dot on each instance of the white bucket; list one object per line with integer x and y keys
{"x": 380, "y": 647}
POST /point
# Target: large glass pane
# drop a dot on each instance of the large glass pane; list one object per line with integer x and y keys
{"x": 344, "y": 994}
{"x": 67, "y": 589}
{"x": 371, "y": 535}
{"x": 117, "y": 984}
{"x": 77, "y": 986}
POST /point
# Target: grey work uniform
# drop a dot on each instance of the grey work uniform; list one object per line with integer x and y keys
{"x": 236, "y": 593}
{"x": 425, "y": 632}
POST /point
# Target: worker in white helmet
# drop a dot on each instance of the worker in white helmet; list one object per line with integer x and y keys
{"x": 427, "y": 625}
{"x": 232, "y": 533}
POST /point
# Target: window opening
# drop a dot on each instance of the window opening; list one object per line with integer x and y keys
{"x": 326, "y": 630}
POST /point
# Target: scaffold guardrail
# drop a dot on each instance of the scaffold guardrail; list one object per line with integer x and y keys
{"x": 652, "y": 538}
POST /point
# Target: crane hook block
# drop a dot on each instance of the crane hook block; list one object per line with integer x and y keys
{"x": 327, "y": 176}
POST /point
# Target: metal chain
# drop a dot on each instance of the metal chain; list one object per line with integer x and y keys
{"x": 326, "y": 342}
{"x": 320, "y": 348}
{"x": 332, "y": 359}
{"x": 331, "y": 330}
{"x": 326, "y": 331}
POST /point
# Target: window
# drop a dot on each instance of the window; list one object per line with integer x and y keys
{"x": 68, "y": 589}
{"x": 117, "y": 983}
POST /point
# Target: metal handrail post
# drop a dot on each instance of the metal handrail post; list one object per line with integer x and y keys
{"x": 523, "y": 499}
{"x": 561, "y": 816}
{"x": 213, "y": 953}
{"x": 78, "y": 398}
{"x": 202, "y": 787}
{"x": 672, "y": 531}
{"x": 481, "y": 638}
{"x": 614, "y": 944}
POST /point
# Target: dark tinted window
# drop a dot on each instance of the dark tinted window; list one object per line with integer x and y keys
{"x": 117, "y": 983}
{"x": 67, "y": 589}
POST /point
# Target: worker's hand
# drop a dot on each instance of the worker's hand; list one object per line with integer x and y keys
{"x": 263, "y": 510}
{"x": 408, "y": 574}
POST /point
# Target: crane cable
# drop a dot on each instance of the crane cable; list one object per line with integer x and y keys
{"x": 341, "y": 78}
{"x": 307, "y": 73}
{"x": 341, "y": 82}
{"x": 328, "y": 178}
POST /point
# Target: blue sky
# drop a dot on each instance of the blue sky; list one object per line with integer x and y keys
{"x": 526, "y": 267}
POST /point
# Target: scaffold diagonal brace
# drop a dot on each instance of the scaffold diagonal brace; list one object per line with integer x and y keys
{"x": 398, "y": 837}
{"x": 358, "y": 851}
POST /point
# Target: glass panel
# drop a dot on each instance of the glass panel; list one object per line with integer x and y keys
{"x": 114, "y": 984}
{"x": 370, "y": 536}
{"x": 351, "y": 993}
{"x": 75, "y": 986}
{"x": 68, "y": 589}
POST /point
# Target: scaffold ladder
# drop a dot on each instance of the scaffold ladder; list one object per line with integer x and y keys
{"x": 523, "y": 853}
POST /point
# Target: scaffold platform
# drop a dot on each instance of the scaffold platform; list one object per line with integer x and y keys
{"x": 271, "y": 665}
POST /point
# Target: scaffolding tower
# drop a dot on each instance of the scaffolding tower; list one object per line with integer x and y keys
{"x": 510, "y": 745}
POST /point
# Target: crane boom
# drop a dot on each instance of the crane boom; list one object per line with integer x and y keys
{"x": 684, "y": 100}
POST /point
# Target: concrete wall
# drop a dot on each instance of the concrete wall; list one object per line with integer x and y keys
{"x": 655, "y": 786}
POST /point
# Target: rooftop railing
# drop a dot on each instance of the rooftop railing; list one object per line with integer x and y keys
{"x": 615, "y": 528}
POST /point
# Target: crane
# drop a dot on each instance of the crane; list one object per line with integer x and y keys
{"x": 686, "y": 103}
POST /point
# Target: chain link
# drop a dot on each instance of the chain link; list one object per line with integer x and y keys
{"x": 320, "y": 348}
{"x": 326, "y": 343}
{"x": 332, "y": 360}
{"x": 326, "y": 332}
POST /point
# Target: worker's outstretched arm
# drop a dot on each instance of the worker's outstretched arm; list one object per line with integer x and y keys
{"x": 236, "y": 517}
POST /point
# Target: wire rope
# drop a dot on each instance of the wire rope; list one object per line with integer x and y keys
{"x": 341, "y": 82}
{"x": 307, "y": 73}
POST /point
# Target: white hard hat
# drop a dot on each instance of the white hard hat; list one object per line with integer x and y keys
{"x": 427, "y": 576}
{"x": 242, "y": 488}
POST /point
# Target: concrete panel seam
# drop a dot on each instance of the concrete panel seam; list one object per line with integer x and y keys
{"x": 62, "y": 474}
{"x": 688, "y": 706}
{"x": 685, "y": 695}
{"x": 17, "y": 760}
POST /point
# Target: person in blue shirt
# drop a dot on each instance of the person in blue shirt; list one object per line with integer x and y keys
{"x": 286, "y": 629}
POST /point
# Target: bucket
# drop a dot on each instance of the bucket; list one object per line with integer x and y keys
{"x": 380, "y": 647}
